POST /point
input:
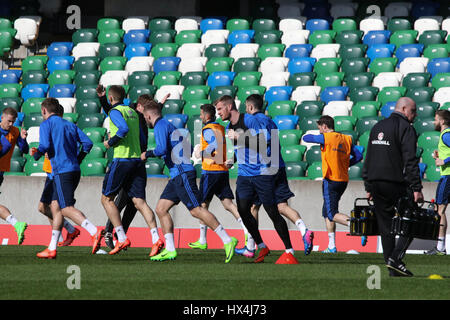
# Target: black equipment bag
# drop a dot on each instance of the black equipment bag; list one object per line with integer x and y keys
{"x": 362, "y": 219}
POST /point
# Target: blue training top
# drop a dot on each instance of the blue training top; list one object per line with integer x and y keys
{"x": 58, "y": 138}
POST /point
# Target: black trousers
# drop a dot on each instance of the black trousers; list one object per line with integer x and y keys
{"x": 123, "y": 201}
{"x": 385, "y": 197}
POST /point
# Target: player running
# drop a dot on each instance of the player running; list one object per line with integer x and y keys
{"x": 175, "y": 148}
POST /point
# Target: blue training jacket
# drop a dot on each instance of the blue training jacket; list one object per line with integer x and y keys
{"x": 59, "y": 137}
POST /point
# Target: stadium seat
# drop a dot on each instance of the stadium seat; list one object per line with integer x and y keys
{"x": 93, "y": 167}
{"x": 333, "y": 79}
{"x": 308, "y": 123}
{"x": 10, "y": 90}
{"x": 57, "y": 49}
{"x": 178, "y": 120}
{"x": 363, "y": 109}
{"x": 112, "y": 63}
{"x": 368, "y": 93}
{"x": 383, "y": 65}
{"x": 136, "y": 36}
{"x": 290, "y": 137}
{"x": 220, "y": 64}
{"x": 34, "y": 63}
{"x": 408, "y": 50}
{"x": 60, "y": 63}
{"x": 277, "y": 93}
{"x": 344, "y": 123}
{"x": 391, "y": 94}
{"x": 334, "y": 94}
{"x": 301, "y": 79}
{"x": 197, "y": 92}
{"x": 190, "y": 50}
{"x": 166, "y": 64}
{"x": 270, "y": 50}
{"x": 32, "y": 120}
{"x": 245, "y": 79}
{"x": 108, "y": 23}
{"x": 293, "y": 153}
{"x": 160, "y": 24}
{"x": 142, "y": 63}
{"x": 6, "y": 41}
{"x": 413, "y": 65}
{"x": 137, "y": 50}
{"x": 366, "y": 124}
{"x": 154, "y": 167}
{"x": 371, "y": 24}
{"x": 87, "y": 106}
{"x": 13, "y": 102}
{"x": 32, "y": 105}
{"x": 291, "y": 37}
{"x": 90, "y": 120}
{"x": 433, "y": 51}
{"x": 86, "y": 64}
{"x": 218, "y": 50}
{"x": 355, "y": 172}
{"x": 274, "y": 79}
{"x": 416, "y": 80}
{"x": 347, "y": 51}
{"x": 300, "y": 65}
{"x": 244, "y": 92}
{"x": 354, "y": 65}
{"x": 423, "y": 125}
{"x": 110, "y": 36}
{"x": 196, "y": 64}
{"x": 220, "y": 78}
{"x": 441, "y": 80}
{"x": 374, "y": 37}
{"x": 134, "y": 23}
{"x": 430, "y": 37}
{"x": 305, "y": 93}
{"x": 327, "y": 65}
{"x": 62, "y": 91}
{"x": 138, "y": 78}
{"x": 86, "y": 92}
{"x": 188, "y": 36}
{"x": 173, "y": 106}
{"x": 286, "y": 122}
{"x": 295, "y": 169}
{"x": 34, "y": 77}
{"x": 34, "y": 91}
{"x": 61, "y": 77}
{"x": 27, "y": 30}
{"x": 402, "y": 37}
{"x": 137, "y": 91}
{"x": 33, "y": 166}
{"x": 358, "y": 79}
{"x": 344, "y": 24}
{"x": 438, "y": 65}
{"x": 96, "y": 134}
{"x": 220, "y": 91}
{"x": 192, "y": 108}
{"x": 349, "y": 37}
{"x": 211, "y": 24}
{"x": 421, "y": 94}
{"x": 244, "y": 50}
{"x": 429, "y": 140}
{"x": 194, "y": 78}
{"x": 298, "y": 51}
{"x": 337, "y": 108}
{"x": 313, "y": 154}
{"x": 399, "y": 22}
{"x": 387, "y": 109}
{"x": 322, "y": 37}
{"x": 426, "y": 109}
{"x": 387, "y": 79}
{"x": 237, "y": 24}
{"x": 165, "y": 78}
{"x": 162, "y": 36}
{"x": 309, "y": 108}
{"x": 315, "y": 171}
{"x": 164, "y": 50}
{"x": 240, "y": 36}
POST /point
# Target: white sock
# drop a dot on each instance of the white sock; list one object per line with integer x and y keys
{"x": 331, "y": 240}
{"x": 242, "y": 225}
{"x": 261, "y": 245}
{"x": 89, "y": 227}
{"x": 222, "y": 234}
{"x": 289, "y": 251}
{"x": 250, "y": 242}
{"x": 301, "y": 226}
{"x": 121, "y": 236}
{"x": 441, "y": 243}
{"x": 69, "y": 227}
{"x": 203, "y": 231}
{"x": 54, "y": 240}
{"x": 11, "y": 220}
{"x": 155, "y": 235}
{"x": 170, "y": 244}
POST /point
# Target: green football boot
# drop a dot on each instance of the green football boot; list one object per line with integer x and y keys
{"x": 20, "y": 228}
{"x": 198, "y": 245}
{"x": 229, "y": 249}
{"x": 164, "y": 255}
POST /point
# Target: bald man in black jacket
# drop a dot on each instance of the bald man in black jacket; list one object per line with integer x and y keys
{"x": 391, "y": 171}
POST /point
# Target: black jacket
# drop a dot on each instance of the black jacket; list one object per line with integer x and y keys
{"x": 391, "y": 153}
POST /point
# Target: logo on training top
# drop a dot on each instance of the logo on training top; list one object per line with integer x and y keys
{"x": 380, "y": 140}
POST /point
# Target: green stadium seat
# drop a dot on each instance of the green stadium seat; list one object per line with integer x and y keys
{"x": 188, "y": 36}
{"x": 355, "y": 65}
{"x": 355, "y": 172}
{"x": 194, "y": 78}
{"x": 416, "y": 80}
{"x": 350, "y": 51}
{"x": 220, "y": 91}
{"x": 192, "y": 108}
{"x": 160, "y": 24}
{"x": 173, "y": 106}
{"x": 301, "y": 79}
{"x": 290, "y": 137}
{"x": 263, "y": 25}
{"x": 164, "y": 50}
{"x": 314, "y": 154}
{"x": 423, "y": 125}
{"x": 421, "y": 94}
{"x": 154, "y": 166}
{"x": 359, "y": 79}
{"x": 193, "y": 123}
{"x": 32, "y": 105}
{"x": 363, "y": 139}
{"x": 219, "y": 64}
{"x": 87, "y": 106}
{"x": 399, "y": 23}
{"x": 218, "y": 50}
{"x": 113, "y": 63}
{"x": 268, "y": 37}
{"x": 237, "y": 24}
{"x": 391, "y": 94}
{"x": 151, "y": 142}
{"x": 429, "y": 140}
{"x": 441, "y": 80}
{"x": 84, "y": 35}
{"x": 332, "y": 79}
{"x": 13, "y": 102}
{"x": 162, "y": 36}
{"x": 167, "y": 78}
{"x": 246, "y": 79}
{"x": 34, "y": 63}
{"x": 137, "y": 91}
{"x": 315, "y": 171}
{"x": 141, "y": 78}
{"x": 344, "y": 123}
{"x": 309, "y": 108}
{"x": 344, "y": 24}
{"x": 246, "y": 64}
{"x": 61, "y": 77}
{"x": 294, "y": 170}
{"x": 96, "y": 134}
{"x": 86, "y": 92}
{"x": 34, "y": 76}
{"x": 108, "y": 24}
{"x": 322, "y": 37}
{"x": 233, "y": 171}
{"x": 293, "y": 153}
{"x": 349, "y": 37}
{"x": 281, "y": 107}
{"x": 426, "y": 109}
{"x": 111, "y": 49}
{"x": 430, "y": 37}
{"x": 363, "y": 94}
{"x": 10, "y": 90}
{"x": 427, "y": 156}
{"x": 98, "y": 151}
{"x": 433, "y": 173}
{"x": 93, "y": 167}
{"x": 33, "y": 120}
{"x": 366, "y": 124}
{"x": 17, "y": 164}
{"x": 71, "y": 117}
{"x": 363, "y": 109}
{"x": 6, "y": 42}
{"x": 433, "y": 51}
{"x": 244, "y": 92}
{"x": 401, "y": 37}
{"x": 327, "y": 65}
{"x": 33, "y": 166}
{"x": 383, "y": 65}
{"x": 196, "y": 93}
{"x": 90, "y": 120}
{"x": 86, "y": 64}
{"x": 271, "y": 50}
{"x": 308, "y": 123}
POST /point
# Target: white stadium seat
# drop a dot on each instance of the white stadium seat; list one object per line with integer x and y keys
{"x": 27, "y": 30}
{"x": 195, "y": 64}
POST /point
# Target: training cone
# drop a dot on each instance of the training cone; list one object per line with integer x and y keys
{"x": 435, "y": 277}
{"x": 287, "y": 258}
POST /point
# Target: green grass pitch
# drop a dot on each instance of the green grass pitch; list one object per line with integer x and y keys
{"x": 203, "y": 275}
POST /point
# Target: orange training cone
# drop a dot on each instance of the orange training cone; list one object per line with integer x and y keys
{"x": 287, "y": 258}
